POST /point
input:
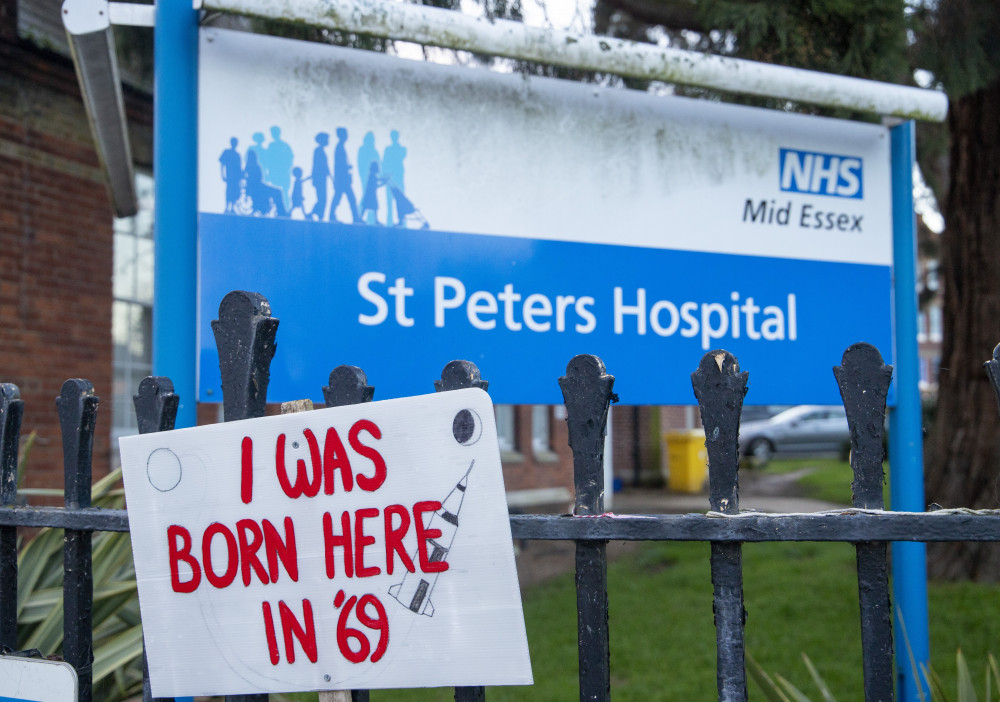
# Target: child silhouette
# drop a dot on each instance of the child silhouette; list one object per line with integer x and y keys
{"x": 298, "y": 200}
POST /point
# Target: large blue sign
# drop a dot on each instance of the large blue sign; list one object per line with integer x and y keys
{"x": 518, "y": 223}
{"x": 401, "y": 303}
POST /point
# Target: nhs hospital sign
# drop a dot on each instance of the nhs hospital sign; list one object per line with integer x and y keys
{"x": 821, "y": 174}
{"x": 399, "y": 215}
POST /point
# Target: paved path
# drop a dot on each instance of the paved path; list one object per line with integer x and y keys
{"x": 662, "y": 502}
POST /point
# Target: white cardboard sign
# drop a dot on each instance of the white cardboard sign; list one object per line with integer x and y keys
{"x": 348, "y": 548}
{"x": 36, "y": 680}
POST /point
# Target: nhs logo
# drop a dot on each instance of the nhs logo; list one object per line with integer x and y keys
{"x": 821, "y": 174}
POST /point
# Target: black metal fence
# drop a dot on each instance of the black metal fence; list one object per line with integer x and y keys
{"x": 245, "y": 334}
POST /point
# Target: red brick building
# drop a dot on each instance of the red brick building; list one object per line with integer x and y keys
{"x": 56, "y": 234}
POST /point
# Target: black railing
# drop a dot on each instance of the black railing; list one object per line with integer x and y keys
{"x": 245, "y": 335}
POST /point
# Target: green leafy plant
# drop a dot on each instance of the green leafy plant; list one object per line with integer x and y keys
{"x": 778, "y": 689}
{"x": 966, "y": 689}
{"x": 117, "y": 628}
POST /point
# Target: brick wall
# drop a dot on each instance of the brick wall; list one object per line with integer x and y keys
{"x": 635, "y": 436}
{"x": 56, "y": 247}
{"x": 528, "y": 469}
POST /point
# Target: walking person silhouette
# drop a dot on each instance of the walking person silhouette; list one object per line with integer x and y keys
{"x": 392, "y": 168}
{"x": 368, "y": 157}
{"x": 369, "y": 201}
{"x": 320, "y": 174}
{"x": 342, "y": 178}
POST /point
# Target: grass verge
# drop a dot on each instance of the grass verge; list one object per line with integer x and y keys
{"x": 827, "y": 479}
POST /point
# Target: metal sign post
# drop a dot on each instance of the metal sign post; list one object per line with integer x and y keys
{"x": 909, "y": 559}
{"x": 175, "y": 148}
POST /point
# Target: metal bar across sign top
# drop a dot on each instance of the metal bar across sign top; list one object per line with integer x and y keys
{"x": 497, "y": 37}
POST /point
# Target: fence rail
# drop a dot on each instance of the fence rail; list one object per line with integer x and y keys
{"x": 842, "y": 525}
{"x": 245, "y": 335}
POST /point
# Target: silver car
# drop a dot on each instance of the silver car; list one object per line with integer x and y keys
{"x": 801, "y": 429}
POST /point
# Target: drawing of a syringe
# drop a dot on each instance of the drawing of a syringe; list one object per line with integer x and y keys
{"x": 414, "y": 592}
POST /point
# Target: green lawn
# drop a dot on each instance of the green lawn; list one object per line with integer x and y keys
{"x": 800, "y": 598}
{"x": 829, "y": 479}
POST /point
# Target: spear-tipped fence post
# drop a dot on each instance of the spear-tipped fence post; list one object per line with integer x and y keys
{"x": 458, "y": 375}
{"x": 720, "y": 387}
{"x": 864, "y": 384}
{"x": 587, "y": 392}
{"x": 244, "y": 336}
{"x": 77, "y": 407}
{"x": 155, "y": 410}
{"x": 155, "y": 404}
{"x": 992, "y": 368}
{"x": 348, "y": 386}
{"x": 11, "y": 411}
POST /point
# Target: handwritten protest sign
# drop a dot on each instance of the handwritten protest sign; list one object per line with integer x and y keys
{"x": 357, "y": 547}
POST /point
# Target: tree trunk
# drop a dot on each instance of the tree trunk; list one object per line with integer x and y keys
{"x": 963, "y": 466}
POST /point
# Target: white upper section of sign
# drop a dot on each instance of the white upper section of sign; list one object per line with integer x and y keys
{"x": 350, "y": 548}
{"x": 490, "y": 153}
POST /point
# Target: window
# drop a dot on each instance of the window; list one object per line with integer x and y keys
{"x": 132, "y": 308}
{"x": 931, "y": 276}
{"x": 506, "y": 429}
{"x": 540, "y": 443}
{"x": 935, "y": 323}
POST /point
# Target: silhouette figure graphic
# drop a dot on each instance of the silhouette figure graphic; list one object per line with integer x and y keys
{"x": 320, "y": 175}
{"x": 392, "y": 168}
{"x": 231, "y": 168}
{"x": 257, "y": 147}
{"x": 368, "y": 157}
{"x": 342, "y": 178}
{"x": 298, "y": 200}
{"x": 278, "y": 163}
{"x": 269, "y": 183}
{"x": 369, "y": 202}
{"x": 263, "y": 196}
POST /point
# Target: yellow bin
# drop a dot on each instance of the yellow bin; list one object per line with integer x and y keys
{"x": 687, "y": 460}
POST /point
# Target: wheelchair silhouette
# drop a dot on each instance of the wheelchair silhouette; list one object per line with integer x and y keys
{"x": 268, "y": 202}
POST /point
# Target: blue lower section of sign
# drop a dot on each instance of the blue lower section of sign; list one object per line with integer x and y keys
{"x": 401, "y": 303}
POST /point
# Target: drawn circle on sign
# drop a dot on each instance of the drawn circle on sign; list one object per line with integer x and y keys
{"x": 467, "y": 427}
{"x": 163, "y": 469}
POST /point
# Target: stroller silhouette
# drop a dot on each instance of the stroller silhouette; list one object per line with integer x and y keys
{"x": 411, "y": 217}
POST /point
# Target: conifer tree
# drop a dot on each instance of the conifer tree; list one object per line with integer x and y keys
{"x": 956, "y": 40}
